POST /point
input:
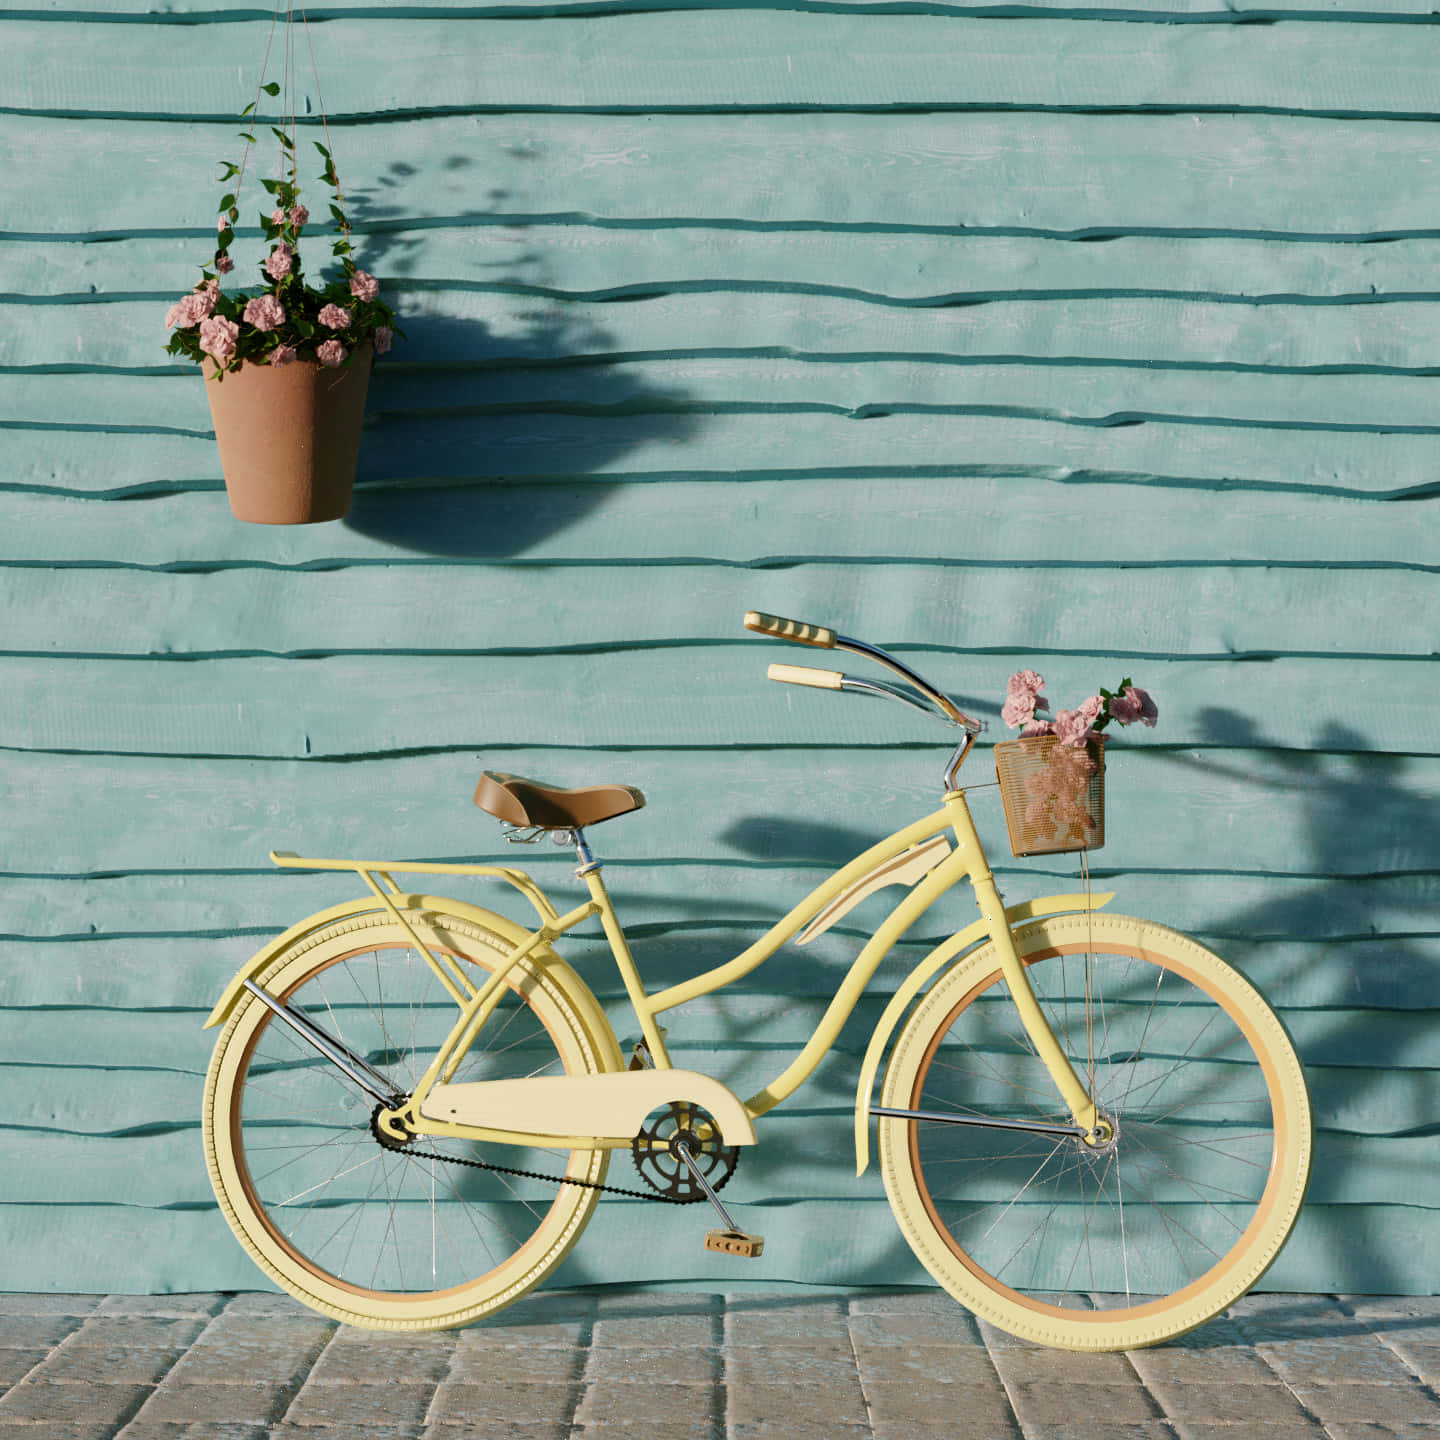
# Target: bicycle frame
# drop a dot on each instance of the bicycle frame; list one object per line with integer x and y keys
{"x": 965, "y": 862}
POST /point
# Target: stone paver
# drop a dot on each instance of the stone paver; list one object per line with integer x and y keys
{"x": 622, "y": 1365}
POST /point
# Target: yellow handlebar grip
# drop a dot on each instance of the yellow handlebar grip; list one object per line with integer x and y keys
{"x": 805, "y": 675}
{"x": 797, "y": 630}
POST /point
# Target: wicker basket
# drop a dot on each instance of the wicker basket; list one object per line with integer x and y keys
{"x": 1054, "y": 794}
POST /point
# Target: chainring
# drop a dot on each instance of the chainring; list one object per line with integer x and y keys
{"x": 664, "y": 1171}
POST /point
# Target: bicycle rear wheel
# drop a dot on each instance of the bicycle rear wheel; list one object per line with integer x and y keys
{"x": 372, "y": 1235}
{"x": 1098, "y": 1247}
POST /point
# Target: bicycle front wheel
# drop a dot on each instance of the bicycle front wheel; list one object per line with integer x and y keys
{"x": 378, "y": 1236}
{"x": 1111, "y": 1246}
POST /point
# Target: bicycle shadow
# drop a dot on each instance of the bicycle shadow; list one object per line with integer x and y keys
{"x": 1336, "y": 947}
{"x": 485, "y": 434}
{"x": 1323, "y": 953}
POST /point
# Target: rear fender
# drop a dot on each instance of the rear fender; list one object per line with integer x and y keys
{"x": 543, "y": 958}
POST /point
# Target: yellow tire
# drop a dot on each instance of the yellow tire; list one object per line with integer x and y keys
{"x": 1098, "y": 1246}
{"x": 371, "y": 1235}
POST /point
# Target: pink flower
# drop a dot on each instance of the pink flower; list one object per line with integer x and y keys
{"x": 282, "y": 354}
{"x": 191, "y": 309}
{"x": 384, "y": 339}
{"x": 1148, "y": 713}
{"x": 1025, "y": 682}
{"x": 331, "y": 353}
{"x": 364, "y": 286}
{"x": 223, "y": 223}
{"x": 298, "y": 216}
{"x": 277, "y": 217}
{"x": 1038, "y": 727}
{"x": 281, "y": 261}
{"x": 334, "y": 317}
{"x": 1073, "y": 726}
{"x": 218, "y": 336}
{"x": 264, "y": 312}
{"x": 223, "y": 263}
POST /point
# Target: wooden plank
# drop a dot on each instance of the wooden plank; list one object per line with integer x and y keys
{"x": 588, "y": 262}
{"x": 1061, "y": 174}
{"x": 970, "y": 521}
{"x": 1089, "y": 395}
{"x": 1244, "y": 917}
{"x": 703, "y": 60}
{"x": 743, "y": 1040}
{"x": 153, "y": 971}
{"x": 154, "y": 12}
{"x": 660, "y": 447}
{"x": 1203, "y": 612}
{"x": 455, "y": 327}
{"x": 1239, "y": 811}
{"x": 1358, "y": 1249}
{"x": 802, "y": 1157}
{"x": 344, "y": 705}
{"x": 469, "y": 450}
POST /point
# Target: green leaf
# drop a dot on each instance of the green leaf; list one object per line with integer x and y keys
{"x": 247, "y": 110}
{"x": 248, "y": 139}
{"x": 273, "y": 186}
{"x": 322, "y": 149}
{"x": 226, "y": 201}
{"x": 271, "y": 89}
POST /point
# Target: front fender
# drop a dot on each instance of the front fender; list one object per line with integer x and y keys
{"x": 575, "y": 988}
{"x": 921, "y": 976}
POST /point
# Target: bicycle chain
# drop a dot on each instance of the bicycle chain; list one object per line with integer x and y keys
{"x": 536, "y": 1175}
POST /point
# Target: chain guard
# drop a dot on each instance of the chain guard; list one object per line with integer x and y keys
{"x": 664, "y": 1171}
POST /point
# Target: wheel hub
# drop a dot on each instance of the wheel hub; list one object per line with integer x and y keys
{"x": 1104, "y": 1138}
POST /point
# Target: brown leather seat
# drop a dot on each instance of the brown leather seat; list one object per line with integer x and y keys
{"x": 519, "y": 801}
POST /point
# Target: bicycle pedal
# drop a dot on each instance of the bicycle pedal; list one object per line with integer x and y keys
{"x": 735, "y": 1242}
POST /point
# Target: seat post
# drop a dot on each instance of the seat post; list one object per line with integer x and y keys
{"x": 588, "y": 863}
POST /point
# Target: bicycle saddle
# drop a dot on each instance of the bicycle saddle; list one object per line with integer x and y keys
{"x": 518, "y": 801}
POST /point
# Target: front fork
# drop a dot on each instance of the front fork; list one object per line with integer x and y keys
{"x": 1083, "y": 1110}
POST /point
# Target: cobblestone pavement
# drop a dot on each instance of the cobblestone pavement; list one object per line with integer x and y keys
{"x": 902, "y": 1365}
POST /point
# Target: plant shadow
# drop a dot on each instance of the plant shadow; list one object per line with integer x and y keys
{"x": 504, "y": 406}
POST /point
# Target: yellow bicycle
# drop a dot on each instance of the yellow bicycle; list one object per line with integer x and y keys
{"x": 413, "y": 1102}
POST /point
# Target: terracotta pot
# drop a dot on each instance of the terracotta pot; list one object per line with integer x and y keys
{"x": 289, "y": 437}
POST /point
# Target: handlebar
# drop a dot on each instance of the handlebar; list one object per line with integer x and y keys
{"x": 823, "y": 637}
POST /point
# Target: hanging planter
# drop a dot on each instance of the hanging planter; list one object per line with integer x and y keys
{"x": 289, "y": 437}
{"x": 286, "y": 364}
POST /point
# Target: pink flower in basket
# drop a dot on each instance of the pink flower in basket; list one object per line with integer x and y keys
{"x": 1073, "y": 726}
{"x": 1134, "y": 704}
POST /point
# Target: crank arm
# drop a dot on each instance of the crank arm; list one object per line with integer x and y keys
{"x": 1034, "y": 1127}
{"x": 370, "y": 1080}
{"x": 681, "y": 1149}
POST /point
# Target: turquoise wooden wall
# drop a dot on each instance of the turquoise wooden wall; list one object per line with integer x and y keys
{"x": 1093, "y": 339}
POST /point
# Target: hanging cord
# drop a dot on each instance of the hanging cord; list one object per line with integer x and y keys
{"x": 255, "y": 104}
{"x": 289, "y": 109}
{"x": 325, "y": 126}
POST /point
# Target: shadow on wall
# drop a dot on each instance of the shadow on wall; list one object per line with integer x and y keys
{"x": 1339, "y": 950}
{"x": 505, "y": 422}
{"x": 1366, "y": 971}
